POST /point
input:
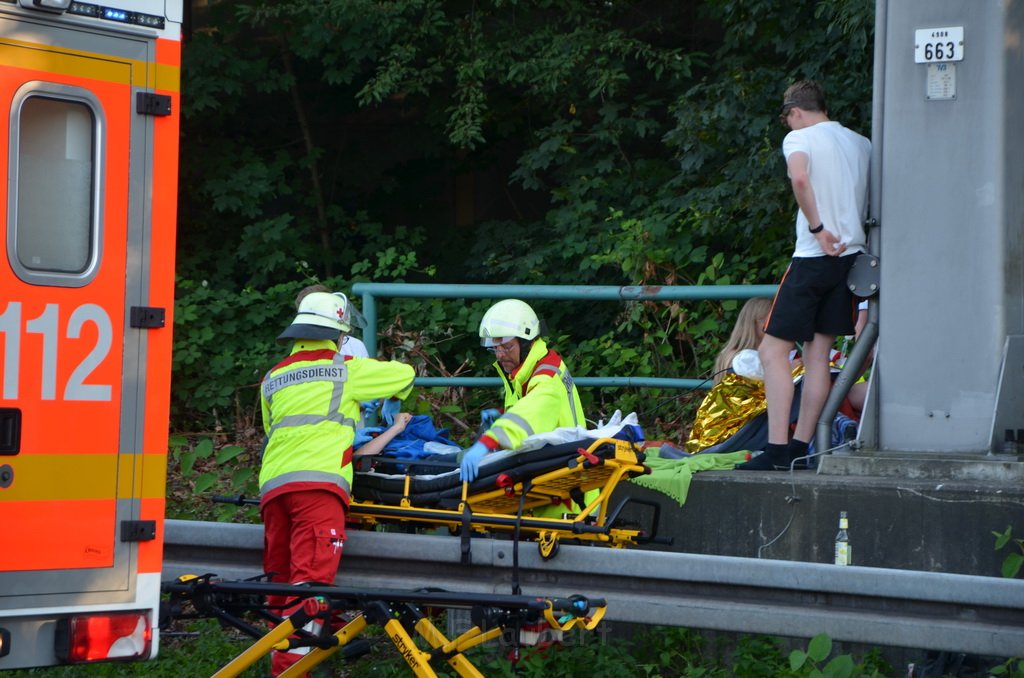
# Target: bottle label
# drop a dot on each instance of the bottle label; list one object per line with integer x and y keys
{"x": 843, "y": 553}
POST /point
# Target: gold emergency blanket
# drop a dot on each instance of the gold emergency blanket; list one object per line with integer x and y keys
{"x": 729, "y": 405}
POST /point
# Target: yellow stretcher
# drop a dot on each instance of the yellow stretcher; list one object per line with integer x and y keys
{"x": 397, "y": 612}
{"x": 514, "y": 494}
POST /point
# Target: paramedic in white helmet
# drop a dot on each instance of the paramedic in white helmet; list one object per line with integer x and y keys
{"x": 349, "y": 345}
{"x": 310, "y": 403}
{"x": 539, "y": 392}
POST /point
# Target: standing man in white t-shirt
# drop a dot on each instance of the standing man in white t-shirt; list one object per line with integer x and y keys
{"x": 828, "y": 170}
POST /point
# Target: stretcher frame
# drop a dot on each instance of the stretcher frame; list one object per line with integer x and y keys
{"x": 399, "y": 613}
{"x": 501, "y": 504}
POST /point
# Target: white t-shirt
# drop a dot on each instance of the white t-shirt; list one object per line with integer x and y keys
{"x": 357, "y": 349}
{"x": 353, "y": 347}
{"x": 837, "y": 162}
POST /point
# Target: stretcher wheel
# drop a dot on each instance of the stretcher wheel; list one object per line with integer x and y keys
{"x": 548, "y": 543}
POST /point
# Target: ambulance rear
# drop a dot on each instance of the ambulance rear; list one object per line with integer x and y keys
{"x": 89, "y": 149}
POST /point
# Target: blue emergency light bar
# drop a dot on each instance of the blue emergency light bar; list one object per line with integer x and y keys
{"x": 114, "y": 14}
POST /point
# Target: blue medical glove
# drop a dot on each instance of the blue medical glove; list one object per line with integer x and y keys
{"x": 362, "y": 437}
{"x": 470, "y": 464}
{"x": 389, "y": 409}
{"x": 370, "y": 407}
{"x": 489, "y": 416}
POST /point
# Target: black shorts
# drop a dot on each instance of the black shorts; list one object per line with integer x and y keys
{"x": 813, "y": 298}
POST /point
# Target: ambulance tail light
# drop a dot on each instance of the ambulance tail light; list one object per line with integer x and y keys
{"x": 104, "y": 637}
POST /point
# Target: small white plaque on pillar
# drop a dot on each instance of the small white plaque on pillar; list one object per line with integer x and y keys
{"x": 941, "y": 82}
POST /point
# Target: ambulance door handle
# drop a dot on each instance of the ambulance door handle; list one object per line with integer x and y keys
{"x": 10, "y": 431}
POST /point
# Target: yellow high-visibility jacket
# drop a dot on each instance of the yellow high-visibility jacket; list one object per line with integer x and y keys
{"x": 310, "y": 402}
{"x": 539, "y": 398}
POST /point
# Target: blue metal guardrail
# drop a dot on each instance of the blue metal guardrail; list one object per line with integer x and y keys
{"x": 878, "y": 606}
{"x": 371, "y": 292}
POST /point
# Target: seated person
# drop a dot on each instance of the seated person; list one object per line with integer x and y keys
{"x": 730, "y": 417}
{"x": 746, "y": 334}
{"x": 738, "y": 394}
{"x": 854, "y": 403}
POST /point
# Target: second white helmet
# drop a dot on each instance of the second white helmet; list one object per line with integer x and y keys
{"x": 507, "y": 319}
{"x": 321, "y": 315}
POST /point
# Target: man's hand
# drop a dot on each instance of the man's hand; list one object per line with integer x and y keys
{"x": 489, "y": 416}
{"x": 470, "y": 464}
{"x": 830, "y": 243}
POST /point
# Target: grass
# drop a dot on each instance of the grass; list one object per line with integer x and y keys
{"x": 201, "y": 647}
{"x": 195, "y": 648}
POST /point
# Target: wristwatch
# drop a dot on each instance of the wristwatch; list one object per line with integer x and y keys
{"x": 819, "y": 229}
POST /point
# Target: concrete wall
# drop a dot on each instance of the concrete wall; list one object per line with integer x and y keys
{"x": 913, "y": 524}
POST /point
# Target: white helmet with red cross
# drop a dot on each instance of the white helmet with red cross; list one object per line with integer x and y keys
{"x": 321, "y": 315}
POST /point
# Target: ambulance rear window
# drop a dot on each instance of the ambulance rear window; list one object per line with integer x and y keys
{"x": 55, "y": 188}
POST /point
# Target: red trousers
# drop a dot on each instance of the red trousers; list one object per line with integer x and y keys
{"x": 303, "y": 536}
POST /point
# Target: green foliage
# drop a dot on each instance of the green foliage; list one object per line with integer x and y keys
{"x": 201, "y": 647}
{"x": 654, "y": 651}
{"x": 1011, "y": 569}
{"x": 682, "y": 650}
{"x": 817, "y": 652}
{"x": 203, "y": 466}
{"x": 223, "y": 345}
{"x": 1015, "y": 559}
{"x": 584, "y": 655}
{"x": 560, "y": 142}
{"x": 1011, "y": 668}
{"x": 761, "y": 656}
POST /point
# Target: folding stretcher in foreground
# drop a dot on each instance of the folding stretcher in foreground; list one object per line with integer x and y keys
{"x": 398, "y": 612}
{"x": 510, "y": 488}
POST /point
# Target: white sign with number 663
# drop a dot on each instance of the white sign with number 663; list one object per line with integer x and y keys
{"x": 933, "y": 45}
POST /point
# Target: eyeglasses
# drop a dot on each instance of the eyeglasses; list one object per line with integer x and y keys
{"x": 503, "y": 349}
{"x": 784, "y": 115}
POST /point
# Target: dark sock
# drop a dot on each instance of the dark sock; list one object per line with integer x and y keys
{"x": 772, "y": 457}
{"x": 796, "y": 450}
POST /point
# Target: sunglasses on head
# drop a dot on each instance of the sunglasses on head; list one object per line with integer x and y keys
{"x": 785, "y": 110}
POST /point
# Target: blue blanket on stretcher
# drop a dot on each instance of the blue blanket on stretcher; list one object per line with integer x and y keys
{"x": 419, "y": 439}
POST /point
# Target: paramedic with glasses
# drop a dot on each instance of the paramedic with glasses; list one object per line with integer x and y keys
{"x": 539, "y": 392}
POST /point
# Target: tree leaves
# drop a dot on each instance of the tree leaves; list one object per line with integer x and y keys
{"x": 555, "y": 142}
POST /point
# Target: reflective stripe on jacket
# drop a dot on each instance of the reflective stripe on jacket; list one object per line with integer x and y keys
{"x": 310, "y": 403}
{"x": 540, "y": 398}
